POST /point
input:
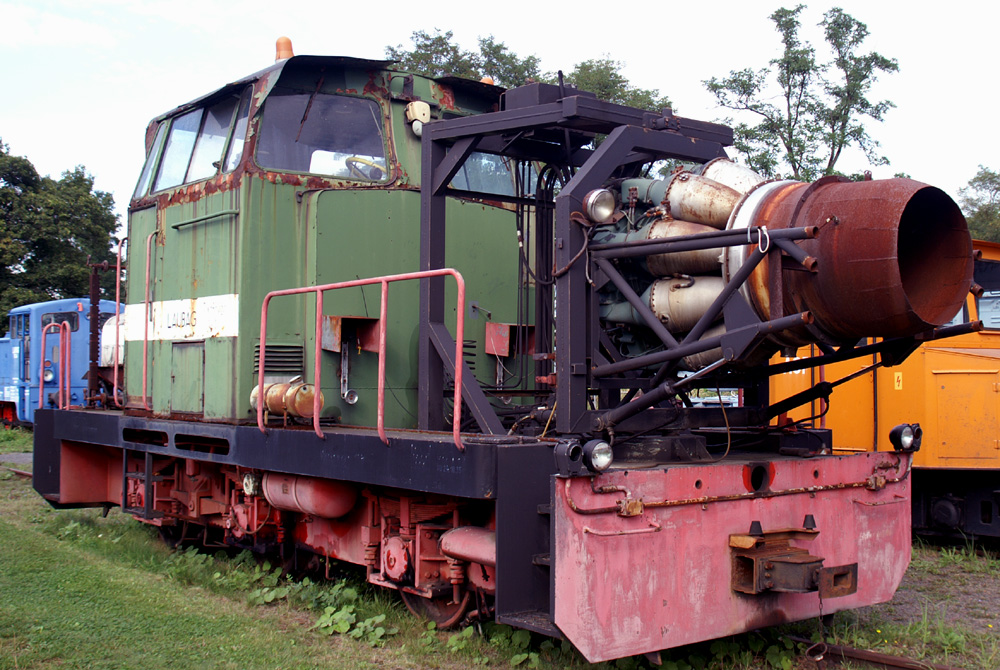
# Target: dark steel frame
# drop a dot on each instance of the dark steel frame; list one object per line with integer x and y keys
{"x": 542, "y": 132}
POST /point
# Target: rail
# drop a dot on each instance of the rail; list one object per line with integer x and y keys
{"x": 206, "y": 217}
{"x": 118, "y": 319}
{"x": 382, "y": 330}
{"x": 65, "y": 361}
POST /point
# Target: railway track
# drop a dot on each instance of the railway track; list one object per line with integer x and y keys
{"x": 826, "y": 656}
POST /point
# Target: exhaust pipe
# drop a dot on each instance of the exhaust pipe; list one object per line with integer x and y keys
{"x": 894, "y": 258}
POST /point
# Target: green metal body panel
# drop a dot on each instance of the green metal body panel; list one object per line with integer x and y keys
{"x": 221, "y": 245}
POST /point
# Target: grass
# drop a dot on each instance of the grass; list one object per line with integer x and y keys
{"x": 14, "y": 440}
{"x": 81, "y": 590}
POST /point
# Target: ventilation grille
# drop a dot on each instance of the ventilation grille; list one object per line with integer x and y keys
{"x": 282, "y": 359}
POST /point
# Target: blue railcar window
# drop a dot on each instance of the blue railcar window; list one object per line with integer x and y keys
{"x": 73, "y": 318}
{"x": 323, "y": 134}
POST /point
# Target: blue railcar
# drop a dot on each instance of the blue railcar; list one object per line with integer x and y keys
{"x": 19, "y": 360}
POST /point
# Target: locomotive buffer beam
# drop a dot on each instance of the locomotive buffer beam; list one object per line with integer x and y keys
{"x": 766, "y": 561}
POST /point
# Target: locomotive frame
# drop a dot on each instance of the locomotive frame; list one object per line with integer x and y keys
{"x": 518, "y": 513}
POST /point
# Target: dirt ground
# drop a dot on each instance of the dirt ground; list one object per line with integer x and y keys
{"x": 956, "y": 585}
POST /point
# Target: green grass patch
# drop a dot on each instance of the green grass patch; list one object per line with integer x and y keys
{"x": 80, "y": 590}
{"x": 15, "y": 440}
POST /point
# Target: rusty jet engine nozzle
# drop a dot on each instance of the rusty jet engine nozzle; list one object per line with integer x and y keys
{"x": 893, "y": 258}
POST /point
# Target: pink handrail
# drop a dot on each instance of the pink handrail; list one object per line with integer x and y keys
{"x": 145, "y": 323}
{"x": 382, "y": 330}
{"x": 118, "y": 309}
{"x": 65, "y": 362}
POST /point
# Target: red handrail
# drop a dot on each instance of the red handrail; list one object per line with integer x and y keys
{"x": 65, "y": 362}
{"x": 382, "y": 328}
{"x": 118, "y": 309}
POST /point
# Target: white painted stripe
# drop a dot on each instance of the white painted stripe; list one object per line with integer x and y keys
{"x": 189, "y": 319}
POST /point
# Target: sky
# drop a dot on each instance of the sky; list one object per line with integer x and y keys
{"x": 81, "y": 80}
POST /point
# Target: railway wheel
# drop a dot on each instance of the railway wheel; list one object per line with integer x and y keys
{"x": 440, "y": 610}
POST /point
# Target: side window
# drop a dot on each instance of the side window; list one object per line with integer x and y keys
{"x": 488, "y": 173}
{"x": 147, "y": 169}
{"x": 208, "y": 148}
{"x": 177, "y": 155}
{"x": 987, "y": 275}
{"x": 73, "y": 318}
{"x": 235, "y": 152}
{"x": 321, "y": 133}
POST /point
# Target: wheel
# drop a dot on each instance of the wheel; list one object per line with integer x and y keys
{"x": 354, "y": 164}
{"x": 439, "y": 610}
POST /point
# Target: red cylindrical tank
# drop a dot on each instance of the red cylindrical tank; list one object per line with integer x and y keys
{"x": 324, "y": 498}
{"x": 472, "y": 544}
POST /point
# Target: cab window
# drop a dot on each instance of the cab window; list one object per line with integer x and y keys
{"x": 321, "y": 133}
{"x": 147, "y": 169}
{"x": 197, "y": 144}
{"x": 177, "y": 155}
{"x": 488, "y": 173}
{"x": 72, "y": 318}
{"x": 211, "y": 141}
{"x": 987, "y": 275}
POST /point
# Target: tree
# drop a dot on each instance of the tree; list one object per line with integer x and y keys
{"x": 603, "y": 77}
{"x": 48, "y": 228}
{"x": 505, "y": 67}
{"x": 980, "y": 202}
{"x": 821, "y": 105}
{"x": 436, "y": 55}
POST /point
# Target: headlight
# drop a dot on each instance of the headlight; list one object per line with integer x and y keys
{"x": 597, "y": 455}
{"x": 48, "y": 375}
{"x": 599, "y": 205}
{"x": 906, "y": 437}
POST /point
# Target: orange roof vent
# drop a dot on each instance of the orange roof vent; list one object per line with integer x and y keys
{"x": 283, "y": 49}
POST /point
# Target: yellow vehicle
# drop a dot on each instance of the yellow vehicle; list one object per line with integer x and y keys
{"x": 952, "y": 386}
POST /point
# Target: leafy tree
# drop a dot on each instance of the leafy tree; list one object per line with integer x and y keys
{"x": 980, "y": 202}
{"x": 505, "y": 67}
{"x": 48, "y": 228}
{"x": 821, "y": 106}
{"x": 603, "y": 77}
{"x": 437, "y": 55}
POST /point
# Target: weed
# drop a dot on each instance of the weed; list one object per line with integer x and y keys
{"x": 14, "y": 440}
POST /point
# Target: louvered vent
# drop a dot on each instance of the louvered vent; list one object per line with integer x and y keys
{"x": 282, "y": 359}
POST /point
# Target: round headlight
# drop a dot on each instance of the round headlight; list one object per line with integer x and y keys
{"x": 597, "y": 455}
{"x": 906, "y": 437}
{"x": 599, "y": 205}
{"x": 48, "y": 375}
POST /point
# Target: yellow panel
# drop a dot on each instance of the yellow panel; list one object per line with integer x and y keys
{"x": 967, "y": 413}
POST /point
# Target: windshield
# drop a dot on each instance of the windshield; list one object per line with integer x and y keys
{"x": 323, "y": 134}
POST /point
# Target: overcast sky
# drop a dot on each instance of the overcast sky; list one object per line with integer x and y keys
{"x": 81, "y": 80}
